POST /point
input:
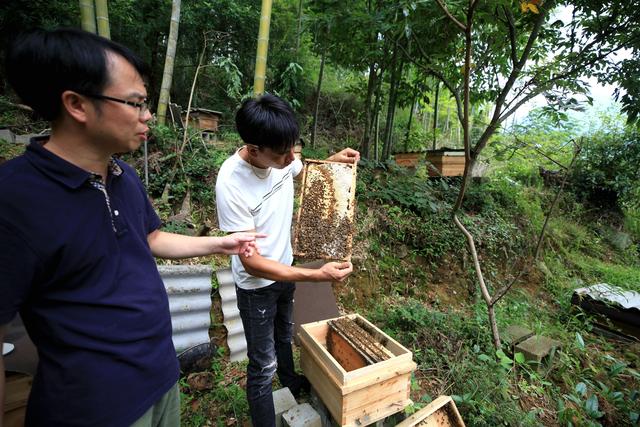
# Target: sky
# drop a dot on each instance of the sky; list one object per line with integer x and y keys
{"x": 602, "y": 94}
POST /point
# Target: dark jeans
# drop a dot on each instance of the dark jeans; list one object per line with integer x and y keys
{"x": 267, "y": 317}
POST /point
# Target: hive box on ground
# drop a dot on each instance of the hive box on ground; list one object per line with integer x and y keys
{"x": 442, "y": 412}
{"x": 364, "y": 395}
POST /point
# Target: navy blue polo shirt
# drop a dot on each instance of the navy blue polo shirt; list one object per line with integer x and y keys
{"x": 84, "y": 280}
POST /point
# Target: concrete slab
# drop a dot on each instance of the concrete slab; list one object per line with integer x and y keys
{"x": 538, "y": 348}
{"x": 515, "y": 334}
{"x": 7, "y": 135}
{"x": 25, "y": 139}
{"x": 301, "y": 416}
{"x": 283, "y": 400}
{"x": 325, "y": 416}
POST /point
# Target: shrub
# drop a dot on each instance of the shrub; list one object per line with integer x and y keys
{"x": 606, "y": 172}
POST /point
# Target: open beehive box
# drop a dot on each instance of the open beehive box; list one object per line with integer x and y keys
{"x": 442, "y": 412}
{"x": 324, "y": 228}
{"x": 361, "y": 374}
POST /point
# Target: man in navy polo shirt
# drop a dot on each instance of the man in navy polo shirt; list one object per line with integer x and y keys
{"x": 79, "y": 238}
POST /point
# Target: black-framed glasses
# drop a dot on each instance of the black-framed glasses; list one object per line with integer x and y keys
{"x": 142, "y": 106}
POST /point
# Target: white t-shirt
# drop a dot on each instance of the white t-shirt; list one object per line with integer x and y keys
{"x": 247, "y": 202}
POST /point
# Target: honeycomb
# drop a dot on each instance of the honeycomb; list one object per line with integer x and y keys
{"x": 324, "y": 229}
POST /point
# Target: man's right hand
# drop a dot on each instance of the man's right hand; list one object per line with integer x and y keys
{"x": 337, "y": 271}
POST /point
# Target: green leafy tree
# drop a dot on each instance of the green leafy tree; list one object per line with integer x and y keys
{"x": 507, "y": 53}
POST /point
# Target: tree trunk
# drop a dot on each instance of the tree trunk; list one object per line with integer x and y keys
{"x": 371, "y": 85}
{"x": 377, "y": 142}
{"x": 88, "y": 16}
{"x": 263, "y": 48}
{"x": 413, "y": 107}
{"x": 299, "y": 32}
{"x": 316, "y": 108}
{"x": 435, "y": 115}
{"x": 391, "y": 109}
{"x": 447, "y": 123}
{"x": 393, "y": 100}
{"x": 102, "y": 18}
{"x": 167, "y": 76}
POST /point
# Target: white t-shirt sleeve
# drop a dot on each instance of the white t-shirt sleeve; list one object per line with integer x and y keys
{"x": 233, "y": 211}
{"x": 296, "y": 167}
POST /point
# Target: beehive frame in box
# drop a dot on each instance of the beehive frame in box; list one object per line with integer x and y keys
{"x": 324, "y": 227}
{"x": 360, "y": 396}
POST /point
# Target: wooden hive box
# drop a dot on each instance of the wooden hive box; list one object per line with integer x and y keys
{"x": 446, "y": 162}
{"x": 202, "y": 119}
{"x": 324, "y": 226}
{"x": 442, "y": 412}
{"x": 17, "y": 389}
{"x": 408, "y": 160}
{"x": 363, "y": 395}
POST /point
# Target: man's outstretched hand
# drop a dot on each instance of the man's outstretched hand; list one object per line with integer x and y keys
{"x": 337, "y": 271}
{"x": 240, "y": 243}
{"x": 348, "y": 155}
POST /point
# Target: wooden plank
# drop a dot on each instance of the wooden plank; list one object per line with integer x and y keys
{"x": 296, "y": 231}
{"x": 17, "y": 389}
{"x": 15, "y": 418}
{"x": 378, "y": 372}
{"x": 442, "y": 412}
{"x": 326, "y": 389}
{"x": 376, "y": 413}
{"x": 326, "y": 362}
{"x": 351, "y": 208}
{"x": 342, "y": 350}
{"x": 392, "y": 345}
{"x": 359, "y": 339}
{"x": 393, "y": 389}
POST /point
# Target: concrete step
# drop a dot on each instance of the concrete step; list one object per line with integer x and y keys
{"x": 301, "y": 416}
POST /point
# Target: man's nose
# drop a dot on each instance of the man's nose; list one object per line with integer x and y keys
{"x": 291, "y": 155}
{"x": 146, "y": 116}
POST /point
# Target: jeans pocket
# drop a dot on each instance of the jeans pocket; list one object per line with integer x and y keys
{"x": 256, "y": 303}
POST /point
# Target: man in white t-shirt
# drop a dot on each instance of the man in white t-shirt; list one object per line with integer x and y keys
{"x": 254, "y": 192}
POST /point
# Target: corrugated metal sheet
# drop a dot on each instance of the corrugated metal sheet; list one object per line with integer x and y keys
{"x": 189, "y": 290}
{"x": 612, "y": 295}
{"x": 235, "y": 332}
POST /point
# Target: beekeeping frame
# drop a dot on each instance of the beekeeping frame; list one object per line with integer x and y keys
{"x": 324, "y": 225}
{"x": 363, "y": 395}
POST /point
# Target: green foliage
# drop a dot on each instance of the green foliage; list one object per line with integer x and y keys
{"x": 448, "y": 345}
{"x": 193, "y": 172}
{"x": 289, "y": 82}
{"x": 225, "y": 401}
{"x": 607, "y": 172}
{"x": 9, "y": 150}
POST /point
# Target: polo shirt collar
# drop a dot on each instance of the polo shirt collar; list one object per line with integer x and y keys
{"x": 59, "y": 169}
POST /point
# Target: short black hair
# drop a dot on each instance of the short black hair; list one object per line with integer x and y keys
{"x": 268, "y": 121}
{"x": 42, "y": 64}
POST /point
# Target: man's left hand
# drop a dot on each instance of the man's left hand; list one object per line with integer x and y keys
{"x": 348, "y": 155}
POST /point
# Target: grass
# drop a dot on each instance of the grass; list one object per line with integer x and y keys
{"x": 217, "y": 406}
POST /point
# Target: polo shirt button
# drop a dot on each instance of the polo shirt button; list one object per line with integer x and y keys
{"x": 116, "y": 213}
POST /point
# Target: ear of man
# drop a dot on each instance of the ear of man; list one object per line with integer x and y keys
{"x": 253, "y": 150}
{"x": 75, "y": 105}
